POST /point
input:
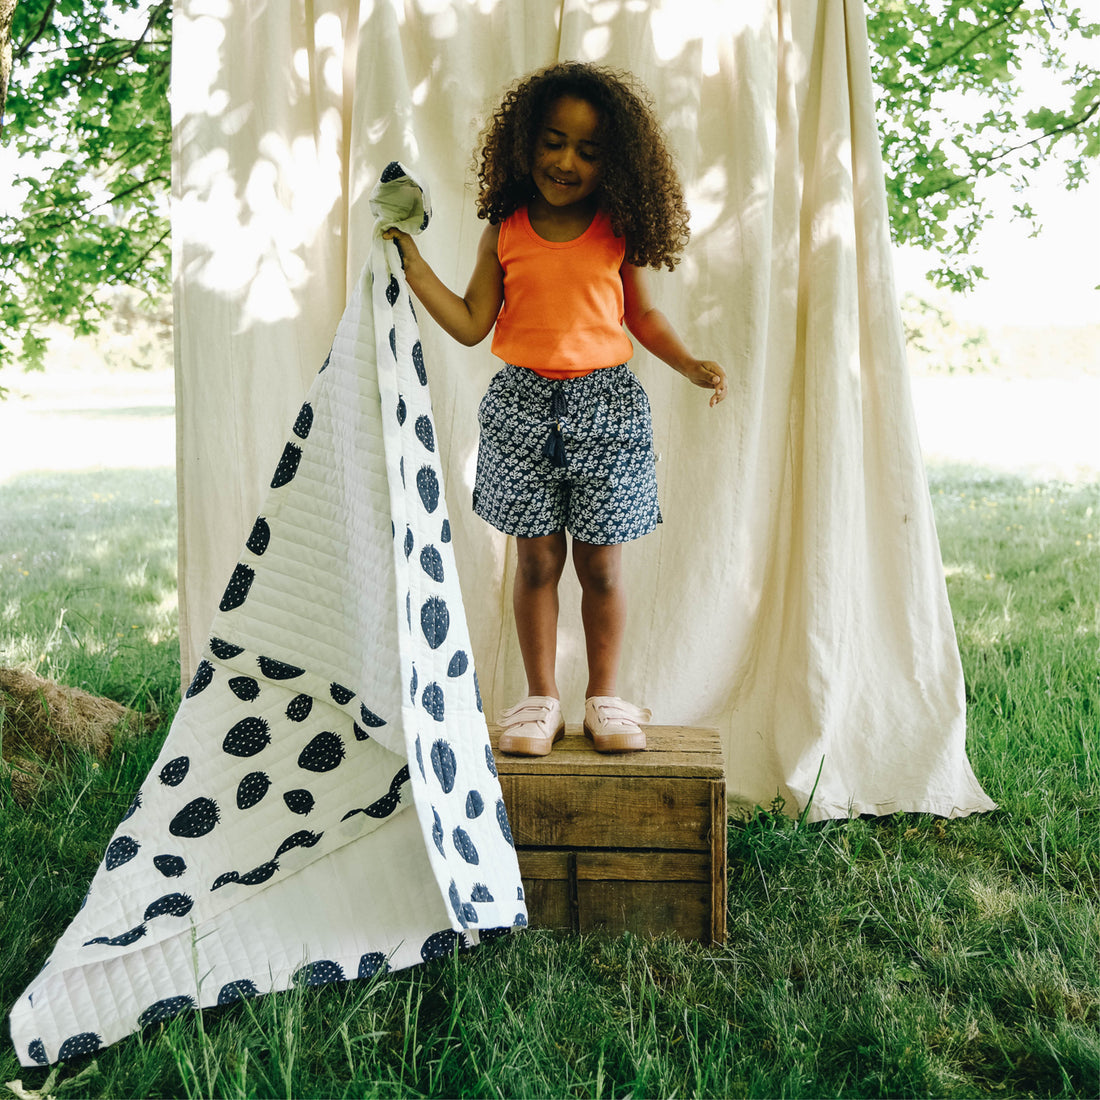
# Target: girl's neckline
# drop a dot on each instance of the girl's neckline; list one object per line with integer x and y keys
{"x": 559, "y": 244}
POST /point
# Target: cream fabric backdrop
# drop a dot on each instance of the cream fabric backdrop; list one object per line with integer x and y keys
{"x": 794, "y": 596}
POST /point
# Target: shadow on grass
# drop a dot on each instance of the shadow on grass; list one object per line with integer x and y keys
{"x": 88, "y": 582}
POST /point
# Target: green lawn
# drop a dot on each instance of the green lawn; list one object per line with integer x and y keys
{"x": 901, "y": 956}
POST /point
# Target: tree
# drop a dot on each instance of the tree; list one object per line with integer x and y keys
{"x": 7, "y": 13}
{"x": 90, "y": 101}
{"x": 954, "y": 112}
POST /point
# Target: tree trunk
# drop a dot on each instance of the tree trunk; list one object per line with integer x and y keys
{"x": 7, "y": 11}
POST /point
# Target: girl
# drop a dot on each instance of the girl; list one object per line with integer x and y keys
{"x": 581, "y": 195}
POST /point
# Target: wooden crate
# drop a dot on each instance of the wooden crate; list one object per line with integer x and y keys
{"x": 622, "y": 842}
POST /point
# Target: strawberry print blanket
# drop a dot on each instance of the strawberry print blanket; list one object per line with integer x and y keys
{"x": 326, "y": 802}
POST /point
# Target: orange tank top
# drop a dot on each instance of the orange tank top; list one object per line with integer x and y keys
{"x": 563, "y": 300}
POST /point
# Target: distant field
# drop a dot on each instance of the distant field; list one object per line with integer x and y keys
{"x": 86, "y": 418}
{"x": 1048, "y": 352}
{"x": 1031, "y": 407}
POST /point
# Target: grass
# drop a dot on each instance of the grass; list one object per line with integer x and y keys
{"x": 88, "y": 582}
{"x": 899, "y": 956}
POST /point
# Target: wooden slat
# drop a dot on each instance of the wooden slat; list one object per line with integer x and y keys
{"x": 596, "y": 865}
{"x": 547, "y": 903}
{"x": 673, "y": 751}
{"x": 542, "y": 863}
{"x": 646, "y": 908}
{"x": 718, "y": 840}
{"x": 583, "y": 811}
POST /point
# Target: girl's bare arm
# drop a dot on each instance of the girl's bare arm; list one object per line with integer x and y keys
{"x": 655, "y": 333}
{"x": 469, "y": 318}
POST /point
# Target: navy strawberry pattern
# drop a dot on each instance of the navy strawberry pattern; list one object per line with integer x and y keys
{"x": 435, "y": 621}
{"x": 299, "y": 801}
{"x": 204, "y": 674}
{"x": 176, "y": 905}
{"x": 259, "y": 537}
{"x": 288, "y": 466}
{"x": 304, "y": 421}
{"x": 297, "y": 710}
{"x": 239, "y": 990}
{"x": 197, "y": 818}
{"x": 165, "y": 1009}
{"x": 341, "y": 694}
{"x": 223, "y": 650}
{"x": 175, "y": 771}
{"x": 121, "y": 850}
{"x": 87, "y": 1042}
{"x": 371, "y": 963}
{"x": 244, "y": 688}
{"x": 278, "y": 670}
{"x": 170, "y": 866}
{"x": 252, "y": 789}
{"x": 425, "y": 433}
{"x": 431, "y": 561}
{"x": 247, "y": 737}
{"x": 325, "y": 752}
{"x": 236, "y": 591}
{"x": 427, "y": 485}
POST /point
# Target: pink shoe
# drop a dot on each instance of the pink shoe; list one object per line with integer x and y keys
{"x": 612, "y": 724}
{"x": 532, "y": 726}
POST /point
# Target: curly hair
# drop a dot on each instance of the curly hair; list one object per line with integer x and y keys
{"x": 639, "y": 186}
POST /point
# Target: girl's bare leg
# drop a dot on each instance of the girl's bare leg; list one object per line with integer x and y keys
{"x": 535, "y": 602}
{"x": 603, "y": 612}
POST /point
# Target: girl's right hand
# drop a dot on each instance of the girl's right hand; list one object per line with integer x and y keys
{"x": 406, "y": 246}
{"x": 467, "y": 319}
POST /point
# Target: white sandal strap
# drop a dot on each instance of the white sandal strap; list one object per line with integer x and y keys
{"x": 610, "y": 708}
{"x": 532, "y": 710}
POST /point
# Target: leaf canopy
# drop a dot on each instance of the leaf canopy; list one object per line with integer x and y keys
{"x": 958, "y": 107}
{"x": 88, "y": 109}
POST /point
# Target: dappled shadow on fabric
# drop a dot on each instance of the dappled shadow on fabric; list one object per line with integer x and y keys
{"x": 794, "y": 597}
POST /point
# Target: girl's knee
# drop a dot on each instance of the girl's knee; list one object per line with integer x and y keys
{"x": 598, "y": 567}
{"x": 541, "y": 560}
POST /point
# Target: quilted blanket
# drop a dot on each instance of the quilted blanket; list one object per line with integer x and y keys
{"x": 326, "y": 803}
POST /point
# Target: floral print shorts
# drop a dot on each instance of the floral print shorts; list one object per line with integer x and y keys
{"x": 575, "y": 454}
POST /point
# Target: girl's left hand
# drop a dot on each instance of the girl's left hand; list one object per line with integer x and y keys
{"x": 709, "y": 375}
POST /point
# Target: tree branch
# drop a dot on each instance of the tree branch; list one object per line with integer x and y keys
{"x": 106, "y": 52}
{"x": 156, "y": 14}
{"x": 932, "y": 68}
{"x": 40, "y": 30}
{"x": 77, "y": 200}
{"x": 121, "y": 278}
{"x": 989, "y": 158}
{"x": 7, "y": 13}
{"x": 147, "y": 182}
{"x": 1056, "y": 132}
{"x": 137, "y": 264}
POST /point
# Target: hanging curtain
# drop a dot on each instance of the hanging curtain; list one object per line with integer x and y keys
{"x": 794, "y": 596}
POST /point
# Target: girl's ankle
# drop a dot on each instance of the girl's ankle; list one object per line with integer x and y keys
{"x": 600, "y": 690}
{"x": 551, "y": 692}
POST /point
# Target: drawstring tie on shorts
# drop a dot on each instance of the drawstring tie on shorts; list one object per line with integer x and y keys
{"x": 554, "y": 447}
